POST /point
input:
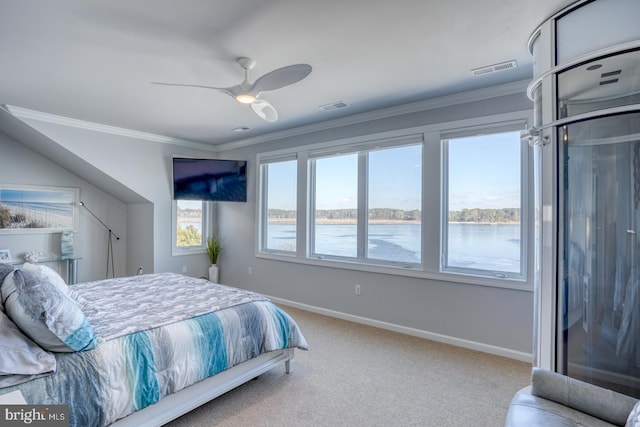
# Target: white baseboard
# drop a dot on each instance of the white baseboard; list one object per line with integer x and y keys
{"x": 459, "y": 342}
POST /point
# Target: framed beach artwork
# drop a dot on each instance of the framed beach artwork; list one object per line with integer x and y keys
{"x": 5, "y": 256}
{"x": 38, "y": 209}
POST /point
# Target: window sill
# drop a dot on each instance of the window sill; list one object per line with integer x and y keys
{"x": 415, "y": 272}
{"x": 181, "y": 252}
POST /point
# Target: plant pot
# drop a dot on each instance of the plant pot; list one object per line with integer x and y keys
{"x": 214, "y": 270}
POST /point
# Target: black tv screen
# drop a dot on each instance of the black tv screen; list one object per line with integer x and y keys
{"x": 210, "y": 179}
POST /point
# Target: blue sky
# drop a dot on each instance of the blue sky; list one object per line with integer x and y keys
{"x": 484, "y": 172}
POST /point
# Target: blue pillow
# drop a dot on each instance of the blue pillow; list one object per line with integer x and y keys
{"x": 45, "y": 313}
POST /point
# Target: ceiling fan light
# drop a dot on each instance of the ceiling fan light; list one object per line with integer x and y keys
{"x": 246, "y": 98}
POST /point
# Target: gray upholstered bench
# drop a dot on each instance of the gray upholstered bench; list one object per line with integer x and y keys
{"x": 554, "y": 400}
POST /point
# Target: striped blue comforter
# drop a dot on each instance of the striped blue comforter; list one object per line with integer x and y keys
{"x": 164, "y": 349}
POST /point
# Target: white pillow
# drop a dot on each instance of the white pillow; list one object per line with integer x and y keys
{"x": 634, "y": 417}
{"x": 5, "y": 270}
{"x": 22, "y": 359}
{"x": 46, "y": 314}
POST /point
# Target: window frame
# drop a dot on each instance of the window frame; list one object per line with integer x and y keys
{"x": 432, "y": 190}
{"x": 445, "y": 137}
{"x": 206, "y": 227}
{"x": 263, "y": 207}
{"x": 311, "y": 165}
{"x": 362, "y": 206}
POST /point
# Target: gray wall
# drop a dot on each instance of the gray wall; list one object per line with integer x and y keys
{"x": 144, "y": 167}
{"x": 491, "y": 319}
{"x": 21, "y": 165}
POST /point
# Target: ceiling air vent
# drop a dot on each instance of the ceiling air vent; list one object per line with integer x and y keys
{"x": 509, "y": 65}
{"x": 333, "y": 106}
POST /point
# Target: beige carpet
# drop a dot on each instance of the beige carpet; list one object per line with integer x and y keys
{"x": 356, "y": 375}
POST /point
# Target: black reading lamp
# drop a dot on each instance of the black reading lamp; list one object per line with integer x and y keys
{"x": 109, "y": 242}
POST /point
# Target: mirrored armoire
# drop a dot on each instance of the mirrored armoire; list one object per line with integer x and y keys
{"x": 586, "y": 93}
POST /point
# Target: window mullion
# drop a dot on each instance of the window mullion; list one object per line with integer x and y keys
{"x": 304, "y": 208}
{"x": 263, "y": 204}
{"x": 311, "y": 212}
{"x": 362, "y": 205}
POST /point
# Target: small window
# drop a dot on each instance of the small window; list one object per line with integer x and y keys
{"x": 189, "y": 226}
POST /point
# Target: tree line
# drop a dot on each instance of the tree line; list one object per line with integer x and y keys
{"x": 508, "y": 215}
{"x": 504, "y": 215}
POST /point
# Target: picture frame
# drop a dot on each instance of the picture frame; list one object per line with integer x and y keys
{"x": 38, "y": 209}
{"x": 5, "y": 256}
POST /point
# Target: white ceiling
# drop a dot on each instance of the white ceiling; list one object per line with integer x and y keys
{"x": 93, "y": 60}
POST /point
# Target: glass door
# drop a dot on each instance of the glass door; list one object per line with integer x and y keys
{"x": 599, "y": 250}
{"x": 599, "y": 201}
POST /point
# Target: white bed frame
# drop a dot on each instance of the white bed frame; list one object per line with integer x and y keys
{"x": 189, "y": 398}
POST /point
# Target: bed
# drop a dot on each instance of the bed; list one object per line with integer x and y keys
{"x": 138, "y": 350}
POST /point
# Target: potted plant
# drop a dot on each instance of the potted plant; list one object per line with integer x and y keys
{"x": 214, "y": 247}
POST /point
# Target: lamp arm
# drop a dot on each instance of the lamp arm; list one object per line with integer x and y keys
{"x": 100, "y": 221}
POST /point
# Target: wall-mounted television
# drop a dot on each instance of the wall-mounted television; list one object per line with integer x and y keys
{"x": 209, "y": 179}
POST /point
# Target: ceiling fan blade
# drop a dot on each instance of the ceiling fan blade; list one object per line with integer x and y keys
{"x": 282, "y": 77}
{"x": 227, "y": 90}
{"x": 180, "y": 84}
{"x": 265, "y": 110}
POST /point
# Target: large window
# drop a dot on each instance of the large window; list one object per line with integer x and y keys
{"x": 447, "y": 202}
{"x": 483, "y": 230}
{"x": 280, "y": 198}
{"x": 367, "y": 204}
{"x": 189, "y": 226}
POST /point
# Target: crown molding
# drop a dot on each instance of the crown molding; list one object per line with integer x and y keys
{"x": 384, "y": 113}
{"x": 519, "y": 86}
{"x": 27, "y": 114}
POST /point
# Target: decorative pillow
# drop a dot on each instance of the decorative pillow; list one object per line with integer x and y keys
{"x": 5, "y": 269}
{"x": 634, "y": 417}
{"x": 48, "y": 274}
{"x": 22, "y": 359}
{"x": 45, "y": 314}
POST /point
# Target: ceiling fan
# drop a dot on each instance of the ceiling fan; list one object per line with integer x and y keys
{"x": 249, "y": 93}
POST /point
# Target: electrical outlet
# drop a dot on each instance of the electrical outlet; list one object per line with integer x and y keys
{"x": 357, "y": 289}
{"x": 184, "y": 268}
{"x": 250, "y": 271}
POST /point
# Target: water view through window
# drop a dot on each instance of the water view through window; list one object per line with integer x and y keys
{"x": 483, "y": 230}
{"x": 485, "y": 246}
{"x": 281, "y": 200}
{"x": 336, "y": 201}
